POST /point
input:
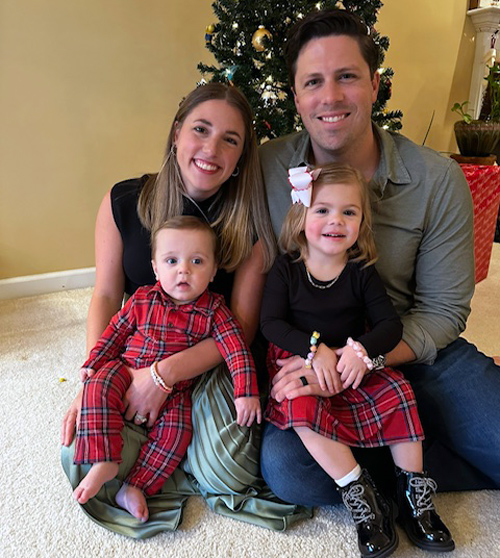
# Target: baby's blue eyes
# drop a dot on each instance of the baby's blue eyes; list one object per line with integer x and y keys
{"x": 174, "y": 261}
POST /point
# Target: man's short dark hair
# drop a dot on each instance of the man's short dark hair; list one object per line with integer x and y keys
{"x": 325, "y": 23}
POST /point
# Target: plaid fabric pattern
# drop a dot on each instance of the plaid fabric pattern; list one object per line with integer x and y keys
{"x": 149, "y": 328}
{"x": 380, "y": 412}
{"x": 99, "y": 434}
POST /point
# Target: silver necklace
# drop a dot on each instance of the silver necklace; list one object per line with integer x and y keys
{"x": 327, "y": 286}
{"x": 197, "y": 206}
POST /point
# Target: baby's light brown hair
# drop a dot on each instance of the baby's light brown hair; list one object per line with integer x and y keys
{"x": 186, "y": 222}
{"x": 293, "y": 239}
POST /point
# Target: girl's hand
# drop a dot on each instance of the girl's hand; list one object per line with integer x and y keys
{"x": 351, "y": 368}
{"x": 143, "y": 397}
{"x": 71, "y": 419}
{"x": 86, "y": 373}
{"x": 287, "y": 383}
{"x": 247, "y": 410}
{"x": 324, "y": 365}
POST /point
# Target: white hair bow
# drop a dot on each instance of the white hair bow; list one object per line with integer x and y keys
{"x": 300, "y": 179}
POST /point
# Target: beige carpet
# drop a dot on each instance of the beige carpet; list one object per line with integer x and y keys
{"x": 42, "y": 340}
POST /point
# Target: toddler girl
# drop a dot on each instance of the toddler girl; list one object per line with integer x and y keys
{"x": 320, "y": 296}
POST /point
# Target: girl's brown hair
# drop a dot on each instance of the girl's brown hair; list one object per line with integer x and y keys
{"x": 293, "y": 239}
{"x": 244, "y": 215}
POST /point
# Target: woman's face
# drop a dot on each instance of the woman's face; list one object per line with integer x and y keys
{"x": 209, "y": 144}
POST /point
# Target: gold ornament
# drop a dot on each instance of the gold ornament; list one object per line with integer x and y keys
{"x": 209, "y": 31}
{"x": 258, "y": 38}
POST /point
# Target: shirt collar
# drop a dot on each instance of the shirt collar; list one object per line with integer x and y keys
{"x": 203, "y": 304}
{"x": 300, "y": 156}
{"x": 390, "y": 168}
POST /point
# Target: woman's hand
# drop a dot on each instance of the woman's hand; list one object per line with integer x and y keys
{"x": 143, "y": 397}
{"x": 287, "y": 383}
{"x": 71, "y": 419}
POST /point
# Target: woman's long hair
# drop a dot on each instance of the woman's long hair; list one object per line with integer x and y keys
{"x": 242, "y": 211}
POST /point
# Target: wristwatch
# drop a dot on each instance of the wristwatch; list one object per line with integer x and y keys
{"x": 379, "y": 362}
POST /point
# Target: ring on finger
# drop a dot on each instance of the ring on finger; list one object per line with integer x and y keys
{"x": 304, "y": 381}
{"x": 140, "y": 419}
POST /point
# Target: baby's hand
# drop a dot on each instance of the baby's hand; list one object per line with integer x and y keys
{"x": 247, "y": 410}
{"x": 86, "y": 373}
{"x": 351, "y": 368}
{"x": 324, "y": 365}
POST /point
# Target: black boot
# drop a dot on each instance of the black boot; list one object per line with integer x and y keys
{"x": 373, "y": 517}
{"x": 417, "y": 514}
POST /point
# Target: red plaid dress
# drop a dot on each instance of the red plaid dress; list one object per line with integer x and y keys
{"x": 382, "y": 410}
{"x": 151, "y": 327}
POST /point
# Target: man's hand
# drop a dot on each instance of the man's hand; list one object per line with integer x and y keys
{"x": 247, "y": 410}
{"x": 287, "y": 383}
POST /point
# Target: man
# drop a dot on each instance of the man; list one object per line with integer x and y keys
{"x": 423, "y": 229}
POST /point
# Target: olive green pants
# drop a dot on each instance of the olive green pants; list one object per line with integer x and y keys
{"x": 222, "y": 464}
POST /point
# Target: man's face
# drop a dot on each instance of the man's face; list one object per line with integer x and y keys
{"x": 334, "y": 94}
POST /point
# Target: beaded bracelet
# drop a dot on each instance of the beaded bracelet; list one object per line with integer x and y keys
{"x": 358, "y": 349}
{"x": 158, "y": 380}
{"x": 312, "y": 349}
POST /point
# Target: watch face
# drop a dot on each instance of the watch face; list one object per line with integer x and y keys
{"x": 379, "y": 362}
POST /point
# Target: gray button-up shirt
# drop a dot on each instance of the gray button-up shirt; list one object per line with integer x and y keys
{"x": 422, "y": 215}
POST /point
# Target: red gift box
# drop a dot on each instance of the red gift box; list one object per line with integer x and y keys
{"x": 484, "y": 183}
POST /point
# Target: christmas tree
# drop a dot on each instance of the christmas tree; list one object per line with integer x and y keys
{"x": 248, "y": 42}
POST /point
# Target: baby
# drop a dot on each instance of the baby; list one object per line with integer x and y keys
{"x": 156, "y": 322}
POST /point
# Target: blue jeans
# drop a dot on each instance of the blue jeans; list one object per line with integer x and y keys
{"x": 459, "y": 404}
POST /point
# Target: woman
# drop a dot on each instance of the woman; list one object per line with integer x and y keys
{"x": 210, "y": 170}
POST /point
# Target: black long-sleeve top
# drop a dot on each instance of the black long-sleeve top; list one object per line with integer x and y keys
{"x": 356, "y": 306}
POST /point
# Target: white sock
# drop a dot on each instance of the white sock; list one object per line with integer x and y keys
{"x": 350, "y": 477}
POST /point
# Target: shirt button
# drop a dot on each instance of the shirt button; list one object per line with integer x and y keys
{"x": 170, "y": 324}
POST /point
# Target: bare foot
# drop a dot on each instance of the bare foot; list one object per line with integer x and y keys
{"x": 132, "y": 499}
{"x": 90, "y": 485}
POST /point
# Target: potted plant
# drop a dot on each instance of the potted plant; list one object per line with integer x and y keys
{"x": 479, "y": 138}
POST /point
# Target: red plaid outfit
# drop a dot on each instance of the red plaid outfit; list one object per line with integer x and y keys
{"x": 151, "y": 327}
{"x": 382, "y": 410}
